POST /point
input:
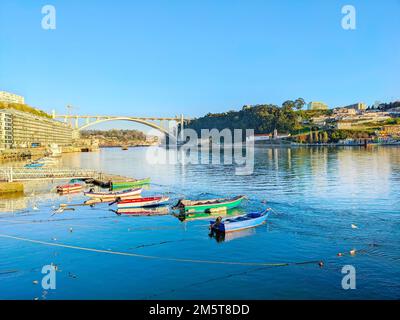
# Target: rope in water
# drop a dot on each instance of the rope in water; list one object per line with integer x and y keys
{"x": 156, "y": 257}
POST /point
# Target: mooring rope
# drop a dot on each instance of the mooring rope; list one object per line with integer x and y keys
{"x": 155, "y": 257}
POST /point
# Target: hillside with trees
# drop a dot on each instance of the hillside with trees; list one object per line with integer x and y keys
{"x": 111, "y": 138}
{"x": 263, "y": 118}
{"x": 24, "y": 108}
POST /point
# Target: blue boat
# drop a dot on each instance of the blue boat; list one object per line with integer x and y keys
{"x": 34, "y": 165}
{"x": 249, "y": 220}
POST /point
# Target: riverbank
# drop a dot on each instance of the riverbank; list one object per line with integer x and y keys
{"x": 21, "y": 154}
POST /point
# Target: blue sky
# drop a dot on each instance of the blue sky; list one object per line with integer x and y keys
{"x": 162, "y": 58}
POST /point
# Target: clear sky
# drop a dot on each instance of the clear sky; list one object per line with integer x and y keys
{"x": 166, "y": 57}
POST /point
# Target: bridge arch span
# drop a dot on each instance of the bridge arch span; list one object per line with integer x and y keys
{"x": 141, "y": 121}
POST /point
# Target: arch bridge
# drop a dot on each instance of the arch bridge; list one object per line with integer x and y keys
{"x": 165, "y": 125}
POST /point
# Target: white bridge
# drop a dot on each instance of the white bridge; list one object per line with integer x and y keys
{"x": 168, "y": 126}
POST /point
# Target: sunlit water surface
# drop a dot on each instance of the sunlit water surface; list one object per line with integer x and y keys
{"x": 316, "y": 195}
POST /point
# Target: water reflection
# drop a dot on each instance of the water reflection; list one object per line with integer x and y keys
{"x": 210, "y": 216}
{"x": 229, "y": 236}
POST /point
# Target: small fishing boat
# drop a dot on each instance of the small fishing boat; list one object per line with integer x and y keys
{"x": 162, "y": 211}
{"x": 110, "y": 196}
{"x": 249, "y": 220}
{"x": 69, "y": 188}
{"x": 209, "y": 206}
{"x": 142, "y": 202}
{"x": 34, "y": 165}
{"x": 129, "y": 183}
{"x": 47, "y": 160}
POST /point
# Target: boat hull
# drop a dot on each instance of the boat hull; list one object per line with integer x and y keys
{"x": 250, "y": 220}
{"x": 142, "y": 202}
{"x": 210, "y": 207}
{"x": 129, "y": 184}
{"x": 114, "y": 195}
{"x": 34, "y": 166}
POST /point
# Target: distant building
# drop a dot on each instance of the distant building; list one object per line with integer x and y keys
{"x": 343, "y": 112}
{"x": 11, "y": 97}
{"x": 360, "y": 106}
{"x": 315, "y": 105}
{"x": 391, "y": 130}
{"x": 23, "y": 130}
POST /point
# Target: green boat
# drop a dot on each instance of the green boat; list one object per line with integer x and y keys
{"x": 209, "y": 206}
{"x": 129, "y": 183}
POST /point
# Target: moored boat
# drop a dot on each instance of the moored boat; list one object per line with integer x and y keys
{"x": 142, "y": 202}
{"x": 129, "y": 183}
{"x": 34, "y": 165}
{"x": 249, "y": 220}
{"x": 68, "y": 188}
{"x": 110, "y": 196}
{"x": 209, "y": 206}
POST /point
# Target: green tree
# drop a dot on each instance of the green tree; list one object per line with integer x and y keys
{"x": 299, "y": 103}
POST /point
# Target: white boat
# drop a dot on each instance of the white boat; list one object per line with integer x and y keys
{"x": 111, "y": 196}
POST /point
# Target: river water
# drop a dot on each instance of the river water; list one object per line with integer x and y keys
{"x": 325, "y": 201}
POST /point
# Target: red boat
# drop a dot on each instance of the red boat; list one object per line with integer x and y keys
{"x": 142, "y": 202}
{"x": 69, "y": 188}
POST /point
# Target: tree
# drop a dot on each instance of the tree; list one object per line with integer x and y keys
{"x": 299, "y": 103}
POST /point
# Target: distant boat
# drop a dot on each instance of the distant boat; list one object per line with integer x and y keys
{"x": 129, "y": 183}
{"x": 47, "y": 160}
{"x": 55, "y": 150}
{"x": 245, "y": 221}
{"x": 142, "y": 202}
{"x": 209, "y": 206}
{"x": 124, "y": 148}
{"x": 110, "y": 196}
{"x": 34, "y": 165}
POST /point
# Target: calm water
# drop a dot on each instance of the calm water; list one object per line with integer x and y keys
{"x": 316, "y": 195}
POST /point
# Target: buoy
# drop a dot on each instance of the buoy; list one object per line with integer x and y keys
{"x": 321, "y": 264}
{"x": 353, "y": 252}
{"x": 353, "y": 226}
